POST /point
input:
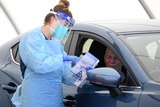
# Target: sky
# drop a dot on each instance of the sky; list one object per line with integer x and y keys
{"x": 30, "y": 13}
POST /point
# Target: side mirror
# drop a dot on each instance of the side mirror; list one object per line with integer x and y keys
{"x": 107, "y": 77}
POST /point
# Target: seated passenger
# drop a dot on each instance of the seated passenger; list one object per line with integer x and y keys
{"x": 111, "y": 60}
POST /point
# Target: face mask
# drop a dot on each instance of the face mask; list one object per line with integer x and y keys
{"x": 60, "y": 32}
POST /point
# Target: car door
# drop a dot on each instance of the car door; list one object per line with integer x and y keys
{"x": 5, "y": 94}
{"x": 10, "y": 75}
{"x": 92, "y": 95}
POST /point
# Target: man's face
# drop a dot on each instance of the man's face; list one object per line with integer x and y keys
{"x": 111, "y": 60}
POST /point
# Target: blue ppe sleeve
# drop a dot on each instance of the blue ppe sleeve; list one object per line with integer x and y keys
{"x": 68, "y": 77}
{"x": 35, "y": 55}
{"x": 16, "y": 99}
{"x": 73, "y": 59}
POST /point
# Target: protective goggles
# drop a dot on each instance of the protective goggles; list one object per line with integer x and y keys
{"x": 69, "y": 22}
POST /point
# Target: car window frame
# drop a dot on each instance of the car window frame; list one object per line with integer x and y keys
{"x": 78, "y": 35}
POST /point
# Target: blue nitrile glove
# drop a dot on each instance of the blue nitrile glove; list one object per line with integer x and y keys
{"x": 88, "y": 68}
{"x": 72, "y": 58}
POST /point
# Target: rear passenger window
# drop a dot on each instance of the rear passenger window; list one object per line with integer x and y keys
{"x": 15, "y": 53}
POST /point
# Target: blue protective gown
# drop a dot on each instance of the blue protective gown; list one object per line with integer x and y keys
{"x": 41, "y": 86}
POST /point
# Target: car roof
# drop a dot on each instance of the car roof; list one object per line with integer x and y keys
{"x": 126, "y": 26}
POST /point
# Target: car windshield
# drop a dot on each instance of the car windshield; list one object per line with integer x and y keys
{"x": 146, "y": 48}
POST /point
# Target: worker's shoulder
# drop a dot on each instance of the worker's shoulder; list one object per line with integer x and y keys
{"x": 32, "y": 35}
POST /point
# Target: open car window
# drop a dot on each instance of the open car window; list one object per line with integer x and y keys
{"x": 97, "y": 48}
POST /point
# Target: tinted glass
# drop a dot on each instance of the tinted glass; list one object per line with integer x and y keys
{"x": 15, "y": 53}
{"x": 146, "y": 48}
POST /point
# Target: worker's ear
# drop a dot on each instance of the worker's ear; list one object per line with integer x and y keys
{"x": 52, "y": 19}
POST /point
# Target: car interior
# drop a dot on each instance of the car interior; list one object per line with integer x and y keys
{"x": 98, "y": 50}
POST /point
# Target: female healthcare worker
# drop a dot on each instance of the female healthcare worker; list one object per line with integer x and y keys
{"x": 47, "y": 64}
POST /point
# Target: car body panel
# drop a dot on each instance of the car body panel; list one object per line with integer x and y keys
{"x": 4, "y": 96}
{"x": 150, "y": 95}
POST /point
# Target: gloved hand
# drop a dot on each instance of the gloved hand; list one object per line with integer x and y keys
{"x": 72, "y": 58}
{"x": 88, "y": 68}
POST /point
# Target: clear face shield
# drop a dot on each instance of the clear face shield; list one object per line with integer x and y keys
{"x": 66, "y": 23}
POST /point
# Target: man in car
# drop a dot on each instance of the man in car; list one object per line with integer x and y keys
{"x": 111, "y": 60}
